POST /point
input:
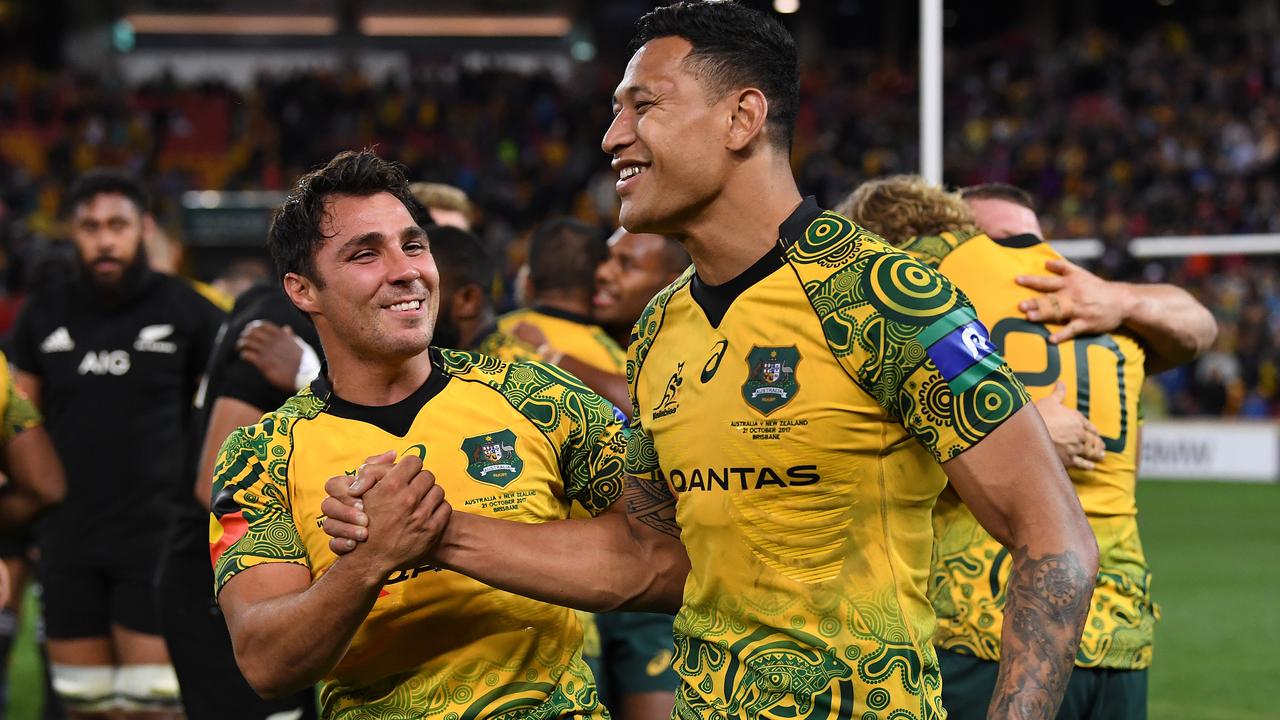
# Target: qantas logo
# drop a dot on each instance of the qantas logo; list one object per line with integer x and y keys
{"x": 58, "y": 341}
{"x": 152, "y": 339}
{"x": 740, "y": 478}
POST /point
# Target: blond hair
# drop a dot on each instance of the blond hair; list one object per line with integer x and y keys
{"x": 900, "y": 207}
{"x": 441, "y": 197}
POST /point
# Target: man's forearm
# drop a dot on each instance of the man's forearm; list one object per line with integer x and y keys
{"x": 1174, "y": 327}
{"x": 18, "y": 509}
{"x": 594, "y": 565}
{"x": 610, "y": 386}
{"x": 1046, "y": 602}
{"x": 286, "y": 643}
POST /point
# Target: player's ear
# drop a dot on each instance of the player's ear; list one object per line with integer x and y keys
{"x": 468, "y": 301}
{"x": 747, "y": 119}
{"x": 302, "y": 291}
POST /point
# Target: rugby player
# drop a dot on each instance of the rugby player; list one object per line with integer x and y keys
{"x": 801, "y": 397}
{"x": 113, "y": 358}
{"x": 1103, "y": 364}
{"x": 384, "y": 633}
{"x": 235, "y": 393}
{"x": 563, "y": 256}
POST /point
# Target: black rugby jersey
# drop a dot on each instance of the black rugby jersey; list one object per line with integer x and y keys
{"x": 117, "y": 381}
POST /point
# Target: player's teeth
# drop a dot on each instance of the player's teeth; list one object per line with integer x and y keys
{"x": 631, "y": 171}
{"x": 410, "y": 305}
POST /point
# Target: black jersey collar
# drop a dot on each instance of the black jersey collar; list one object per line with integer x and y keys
{"x": 1025, "y": 240}
{"x": 793, "y": 228}
{"x": 716, "y": 299}
{"x": 563, "y": 314}
{"x": 395, "y": 418}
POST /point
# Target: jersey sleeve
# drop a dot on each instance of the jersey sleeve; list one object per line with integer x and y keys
{"x": 586, "y": 428}
{"x": 251, "y": 520}
{"x": 19, "y": 413}
{"x": 907, "y": 335}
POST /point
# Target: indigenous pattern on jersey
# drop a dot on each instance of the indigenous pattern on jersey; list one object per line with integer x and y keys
{"x": 821, "y": 389}
{"x": 16, "y": 411}
{"x": 1104, "y": 376}
{"x": 569, "y": 333}
{"x": 517, "y": 442}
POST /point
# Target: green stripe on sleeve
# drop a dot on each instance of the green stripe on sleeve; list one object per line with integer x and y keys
{"x": 961, "y": 383}
{"x": 945, "y": 324}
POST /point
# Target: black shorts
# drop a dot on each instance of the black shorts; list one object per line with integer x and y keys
{"x": 1092, "y": 693}
{"x": 84, "y": 596}
{"x": 200, "y": 646}
{"x": 637, "y": 650}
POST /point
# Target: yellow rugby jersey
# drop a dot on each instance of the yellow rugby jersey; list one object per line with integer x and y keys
{"x": 16, "y": 411}
{"x": 518, "y": 442}
{"x": 572, "y": 334}
{"x": 1104, "y": 376}
{"x": 798, "y": 414}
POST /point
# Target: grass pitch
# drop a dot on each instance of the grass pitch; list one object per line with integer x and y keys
{"x": 1214, "y": 550}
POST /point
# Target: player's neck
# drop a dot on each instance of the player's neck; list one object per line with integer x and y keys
{"x": 470, "y": 329}
{"x": 378, "y": 382}
{"x": 740, "y": 225}
{"x": 575, "y": 303}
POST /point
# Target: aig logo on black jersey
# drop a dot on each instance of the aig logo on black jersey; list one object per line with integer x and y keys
{"x": 104, "y": 362}
{"x": 152, "y": 339}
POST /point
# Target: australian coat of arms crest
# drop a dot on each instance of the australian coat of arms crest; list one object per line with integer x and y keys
{"x": 771, "y": 377}
{"x": 492, "y": 458}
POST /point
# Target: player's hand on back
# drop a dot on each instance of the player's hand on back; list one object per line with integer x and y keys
{"x": 530, "y": 333}
{"x": 274, "y": 350}
{"x": 1078, "y": 442}
{"x": 406, "y": 514}
{"x": 1083, "y": 303}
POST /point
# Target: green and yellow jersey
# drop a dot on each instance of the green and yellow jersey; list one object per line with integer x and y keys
{"x": 574, "y": 335}
{"x": 1104, "y": 376}
{"x": 16, "y": 411}
{"x": 798, "y": 414}
{"x": 518, "y": 442}
{"x": 569, "y": 333}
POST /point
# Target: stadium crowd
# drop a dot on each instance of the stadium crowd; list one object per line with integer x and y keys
{"x": 1064, "y": 124}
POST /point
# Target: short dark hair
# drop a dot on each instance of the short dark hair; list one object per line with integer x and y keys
{"x": 564, "y": 254}
{"x": 734, "y": 47}
{"x": 295, "y": 233}
{"x": 103, "y": 181}
{"x": 461, "y": 256}
{"x": 999, "y": 191}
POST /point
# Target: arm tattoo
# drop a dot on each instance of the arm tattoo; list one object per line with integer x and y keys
{"x": 1045, "y": 607}
{"x": 650, "y": 503}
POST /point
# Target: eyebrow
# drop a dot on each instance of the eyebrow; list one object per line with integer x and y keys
{"x": 630, "y": 90}
{"x": 373, "y": 237}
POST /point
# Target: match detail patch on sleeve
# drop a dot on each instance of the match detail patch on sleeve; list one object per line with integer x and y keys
{"x": 961, "y": 348}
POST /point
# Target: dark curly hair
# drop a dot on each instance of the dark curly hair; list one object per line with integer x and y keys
{"x": 295, "y": 233}
{"x": 734, "y": 47}
{"x": 103, "y": 181}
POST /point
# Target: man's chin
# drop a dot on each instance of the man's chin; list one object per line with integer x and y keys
{"x": 107, "y": 279}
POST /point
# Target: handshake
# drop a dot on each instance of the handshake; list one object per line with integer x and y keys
{"x": 393, "y": 514}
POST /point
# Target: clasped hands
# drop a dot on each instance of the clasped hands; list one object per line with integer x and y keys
{"x": 392, "y": 513}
